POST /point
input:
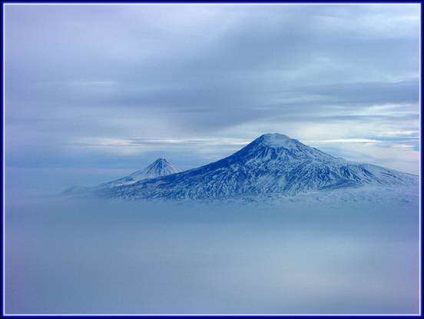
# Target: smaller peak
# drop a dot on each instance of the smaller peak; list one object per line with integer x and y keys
{"x": 161, "y": 160}
{"x": 160, "y": 163}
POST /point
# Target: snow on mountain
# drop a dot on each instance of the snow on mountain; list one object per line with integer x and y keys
{"x": 271, "y": 164}
{"x": 160, "y": 167}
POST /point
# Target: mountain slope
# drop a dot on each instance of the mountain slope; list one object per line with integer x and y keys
{"x": 272, "y": 163}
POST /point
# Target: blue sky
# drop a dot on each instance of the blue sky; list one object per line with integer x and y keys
{"x": 114, "y": 87}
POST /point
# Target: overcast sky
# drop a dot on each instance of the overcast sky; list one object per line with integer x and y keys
{"x": 115, "y": 87}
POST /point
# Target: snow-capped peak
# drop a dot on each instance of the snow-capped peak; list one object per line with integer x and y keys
{"x": 160, "y": 163}
{"x": 160, "y": 167}
{"x": 277, "y": 140}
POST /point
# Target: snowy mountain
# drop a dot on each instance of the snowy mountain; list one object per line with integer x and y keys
{"x": 271, "y": 164}
{"x": 160, "y": 167}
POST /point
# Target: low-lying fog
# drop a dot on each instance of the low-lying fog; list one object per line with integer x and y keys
{"x": 74, "y": 256}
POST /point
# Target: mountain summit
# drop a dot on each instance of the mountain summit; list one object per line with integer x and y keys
{"x": 276, "y": 140}
{"x": 160, "y": 167}
{"x": 272, "y": 163}
{"x": 281, "y": 150}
